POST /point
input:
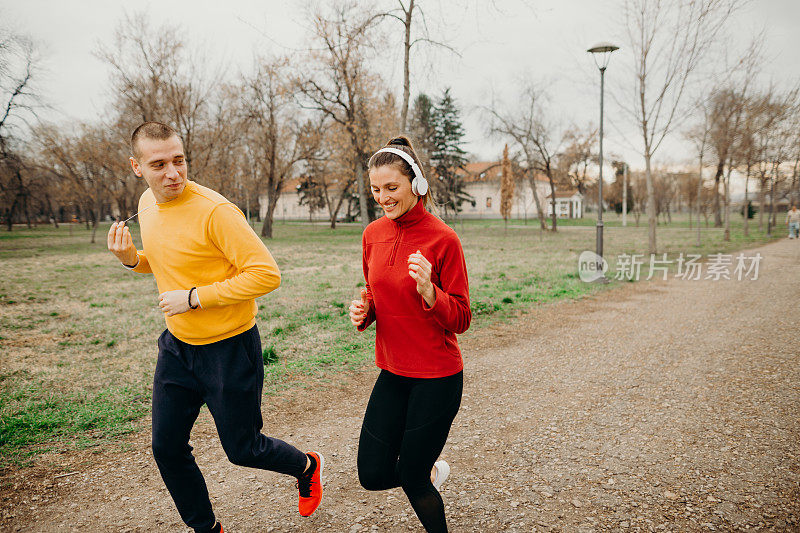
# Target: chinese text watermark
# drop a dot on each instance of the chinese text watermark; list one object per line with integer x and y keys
{"x": 632, "y": 267}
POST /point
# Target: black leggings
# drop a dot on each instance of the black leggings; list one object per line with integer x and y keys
{"x": 405, "y": 428}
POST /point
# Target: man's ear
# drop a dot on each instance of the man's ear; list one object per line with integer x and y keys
{"x": 135, "y": 166}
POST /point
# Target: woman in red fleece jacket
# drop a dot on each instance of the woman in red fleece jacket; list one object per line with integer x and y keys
{"x": 418, "y": 296}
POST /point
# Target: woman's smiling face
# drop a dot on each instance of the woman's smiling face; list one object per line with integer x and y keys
{"x": 392, "y": 190}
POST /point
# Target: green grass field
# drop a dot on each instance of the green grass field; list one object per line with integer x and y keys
{"x": 78, "y": 332}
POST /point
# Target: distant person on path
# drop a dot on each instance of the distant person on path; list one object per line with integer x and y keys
{"x": 793, "y": 222}
{"x": 209, "y": 266}
{"x": 418, "y": 296}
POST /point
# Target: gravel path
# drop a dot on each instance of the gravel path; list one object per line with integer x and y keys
{"x": 657, "y": 406}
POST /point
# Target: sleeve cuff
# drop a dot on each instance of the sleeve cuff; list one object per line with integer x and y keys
{"x": 369, "y": 319}
{"x": 437, "y": 305}
{"x": 206, "y": 296}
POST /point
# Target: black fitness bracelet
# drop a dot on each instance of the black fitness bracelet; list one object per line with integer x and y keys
{"x": 190, "y": 299}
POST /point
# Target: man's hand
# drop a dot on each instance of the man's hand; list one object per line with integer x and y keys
{"x": 359, "y": 309}
{"x": 419, "y": 268}
{"x": 176, "y": 302}
{"x": 120, "y": 243}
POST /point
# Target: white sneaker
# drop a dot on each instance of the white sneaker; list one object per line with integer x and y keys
{"x": 442, "y": 471}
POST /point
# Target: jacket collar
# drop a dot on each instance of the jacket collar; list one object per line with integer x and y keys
{"x": 412, "y": 216}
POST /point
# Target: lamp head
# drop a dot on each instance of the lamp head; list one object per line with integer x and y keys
{"x": 603, "y": 50}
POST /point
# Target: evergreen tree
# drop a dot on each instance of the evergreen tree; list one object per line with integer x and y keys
{"x": 423, "y": 130}
{"x": 310, "y": 193}
{"x": 447, "y": 156}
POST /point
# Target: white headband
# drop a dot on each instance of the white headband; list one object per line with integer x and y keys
{"x": 407, "y": 158}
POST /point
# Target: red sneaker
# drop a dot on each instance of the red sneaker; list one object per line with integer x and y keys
{"x": 309, "y": 484}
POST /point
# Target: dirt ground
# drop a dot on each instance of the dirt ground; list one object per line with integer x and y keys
{"x": 657, "y": 406}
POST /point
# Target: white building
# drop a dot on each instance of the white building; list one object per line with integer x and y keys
{"x": 483, "y": 184}
{"x": 569, "y": 204}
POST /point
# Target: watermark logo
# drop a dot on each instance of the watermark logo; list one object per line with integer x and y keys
{"x": 633, "y": 267}
{"x": 591, "y": 266}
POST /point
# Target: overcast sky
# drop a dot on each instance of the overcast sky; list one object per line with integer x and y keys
{"x": 541, "y": 39}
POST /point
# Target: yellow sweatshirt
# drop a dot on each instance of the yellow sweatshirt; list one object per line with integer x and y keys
{"x": 202, "y": 240}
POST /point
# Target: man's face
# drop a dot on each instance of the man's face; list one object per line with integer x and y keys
{"x": 162, "y": 164}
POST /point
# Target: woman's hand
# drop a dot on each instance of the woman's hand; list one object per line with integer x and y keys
{"x": 359, "y": 309}
{"x": 419, "y": 269}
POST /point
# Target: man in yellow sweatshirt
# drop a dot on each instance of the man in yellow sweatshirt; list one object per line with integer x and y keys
{"x": 209, "y": 266}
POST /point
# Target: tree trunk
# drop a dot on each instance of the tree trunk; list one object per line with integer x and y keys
{"x": 50, "y": 210}
{"x": 699, "y": 193}
{"x": 10, "y": 219}
{"x": 771, "y": 206}
{"x": 554, "y": 216}
{"x": 651, "y": 205}
{"x": 406, "y": 77}
{"x": 727, "y": 189}
{"x": 717, "y": 211}
{"x": 26, "y": 210}
{"x": 362, "y": 201}
{"x": 95, "y": 223}
{"x": 266, "y": 228}
{"x": 761, "y": 196}
{"x": 334, "y": 212}
{"x": 272, "y": 203}
{"x": 534, "y": 190}
{"x": 745, "y": 221}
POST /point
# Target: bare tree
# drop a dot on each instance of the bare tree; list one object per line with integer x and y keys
{"x": 19, "y": 67}
{"x": 794, "y": 142}
{"x": 669, "y": 39}
{"x": 576, "y": 157}
{"x": 699, "y": 136}
{"x": 725, "y": 115}
{"x": 780, "y": 148}
{"x": 155, "y": 77}
{"x": 276, "y": 133}
{"x": 81, "y": 160}
{"x": 538, "y": 138}
{"x": 773, "y": 142}
{"x": 332, "y": 170}
{"x": 337, "y": 82}
{"x": 406, "y": 15}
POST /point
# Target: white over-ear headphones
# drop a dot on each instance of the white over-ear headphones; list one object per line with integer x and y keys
{"x": 419, "y": 185}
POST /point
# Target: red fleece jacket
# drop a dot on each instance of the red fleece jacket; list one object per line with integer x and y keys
{"x": 412, "y": 339}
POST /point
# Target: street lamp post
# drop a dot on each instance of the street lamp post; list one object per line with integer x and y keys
{"x": 603, "y": 51}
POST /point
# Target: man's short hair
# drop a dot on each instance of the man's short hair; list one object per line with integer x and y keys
{"x": 151, "y": 130}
